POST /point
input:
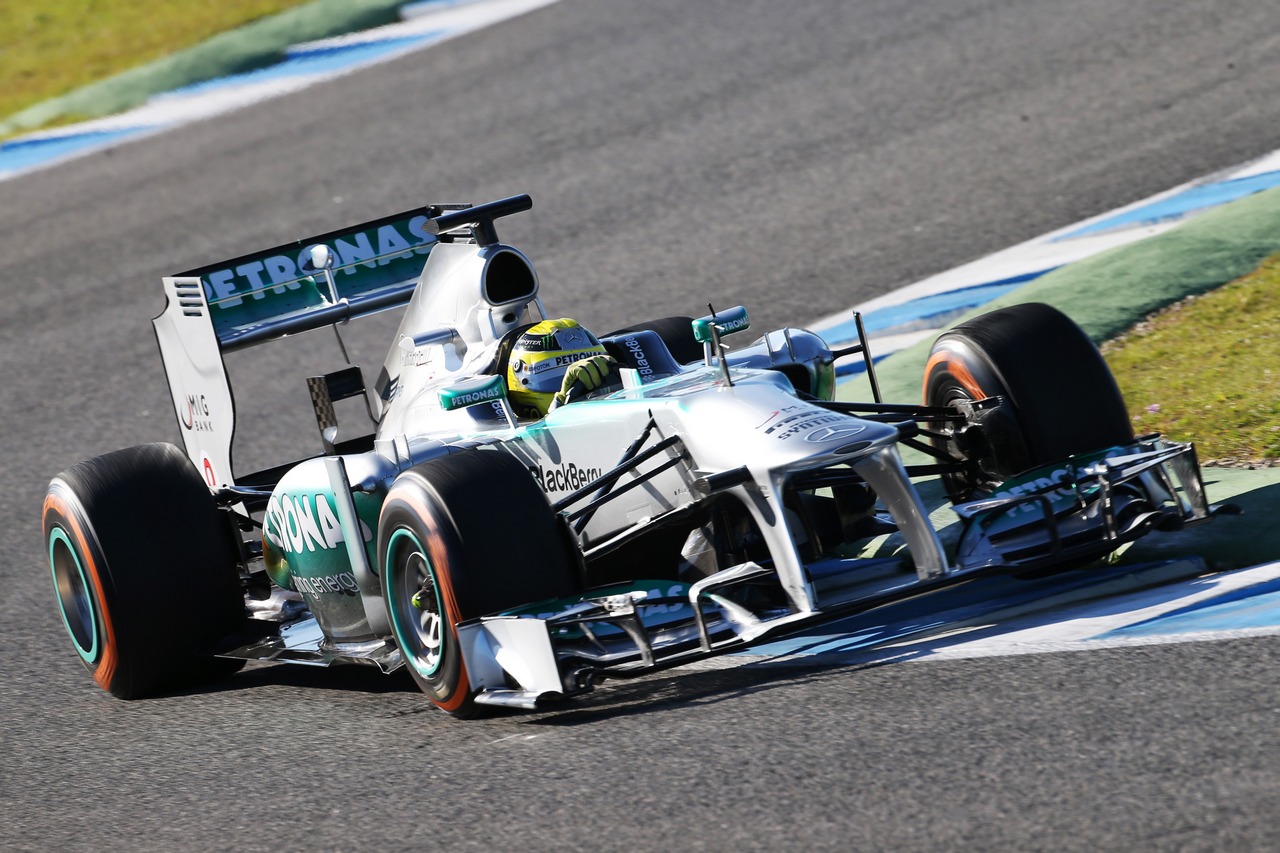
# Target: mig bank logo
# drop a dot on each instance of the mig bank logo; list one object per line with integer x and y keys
{"x": 194, "y": 414}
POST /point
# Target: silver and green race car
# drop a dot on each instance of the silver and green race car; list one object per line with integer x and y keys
{"x": 713, "y": 497}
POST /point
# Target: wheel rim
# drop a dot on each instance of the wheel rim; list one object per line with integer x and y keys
{"x": 951, "y": 394}
{"x": 75, "y": 597}
{"x": 989, "y": 464}
{"x": 419, "y": 629}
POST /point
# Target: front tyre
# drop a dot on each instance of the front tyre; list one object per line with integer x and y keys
{"x": 1058, "y": 395}
{"x": 144, "y": 570}
{"x": 465, "y": 535}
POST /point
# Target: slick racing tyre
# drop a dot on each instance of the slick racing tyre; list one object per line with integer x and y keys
{"x": 676, "y": 333}
{"x": 461, "y": 536}
{"x": 1059, "y": 397}
{"x": 144, "y": 568}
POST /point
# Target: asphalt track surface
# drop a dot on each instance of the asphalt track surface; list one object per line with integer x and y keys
{"x": 798, "y": 157}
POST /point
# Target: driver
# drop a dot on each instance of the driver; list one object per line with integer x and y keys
{"x": 548, "y": 359}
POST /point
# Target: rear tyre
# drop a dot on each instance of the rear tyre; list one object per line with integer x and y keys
{"x": 676, "y": 333}
{"x": 461, "y": 536}
{"x": 144, "y": 568}
{"x": 1059, "y": 397}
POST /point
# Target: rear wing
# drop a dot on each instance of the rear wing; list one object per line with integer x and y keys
{"x": 267, "y": 295}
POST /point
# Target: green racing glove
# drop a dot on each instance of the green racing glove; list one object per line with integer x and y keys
{"x": 590, "y": 373}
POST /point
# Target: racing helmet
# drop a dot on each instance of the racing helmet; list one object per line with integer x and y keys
{"x": 540, "y": 358}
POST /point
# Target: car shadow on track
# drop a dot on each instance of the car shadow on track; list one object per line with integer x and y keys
{"x": 682, "y": 690}
{"x": 353, "y": 679}
{"x": 654, "y": 693}
{"x": 1229, "y": 541}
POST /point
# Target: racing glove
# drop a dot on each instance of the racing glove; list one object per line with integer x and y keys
{"x": 590, "y": 374}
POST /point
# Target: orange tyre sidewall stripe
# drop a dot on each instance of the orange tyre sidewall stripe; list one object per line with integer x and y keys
{"x": 958, "y": 369}
{"x": 109, "y": 659}
{"x": 440, "y": 568}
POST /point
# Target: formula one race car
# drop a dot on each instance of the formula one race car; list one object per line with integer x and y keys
{"x": 706, "y": 499}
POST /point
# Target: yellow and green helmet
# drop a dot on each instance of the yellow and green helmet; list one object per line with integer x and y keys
{"x": 541, "y": 357}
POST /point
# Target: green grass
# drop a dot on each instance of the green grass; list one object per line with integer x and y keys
{"x": 1207, "y": 369}
{"x": 50, "y": 47}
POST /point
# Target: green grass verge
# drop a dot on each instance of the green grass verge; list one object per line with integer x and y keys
{"x": 159, "y": 45}
{"x": 51, "y": 47}
{"x": 1207, "y": 369}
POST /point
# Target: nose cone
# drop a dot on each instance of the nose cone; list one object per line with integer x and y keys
{"x": 765, "y": 426}
{"x": 849, "y": 436}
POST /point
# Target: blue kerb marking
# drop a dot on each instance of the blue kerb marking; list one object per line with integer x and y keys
{"x": 27, "y": 153}
{"x": 22, "y": 154}
{"x": 953, "y": 606}
{"x": 1256, "y": 606}
{"x": 360, "y": 50}
{"x": 928, "y": 308}
{"x": 1196, "y": 198}
{"x": 301, "y": 62}
{"x": 410, "y": 9}
{"x": 828, "y": 644}
{"x": 850, "y": 368}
